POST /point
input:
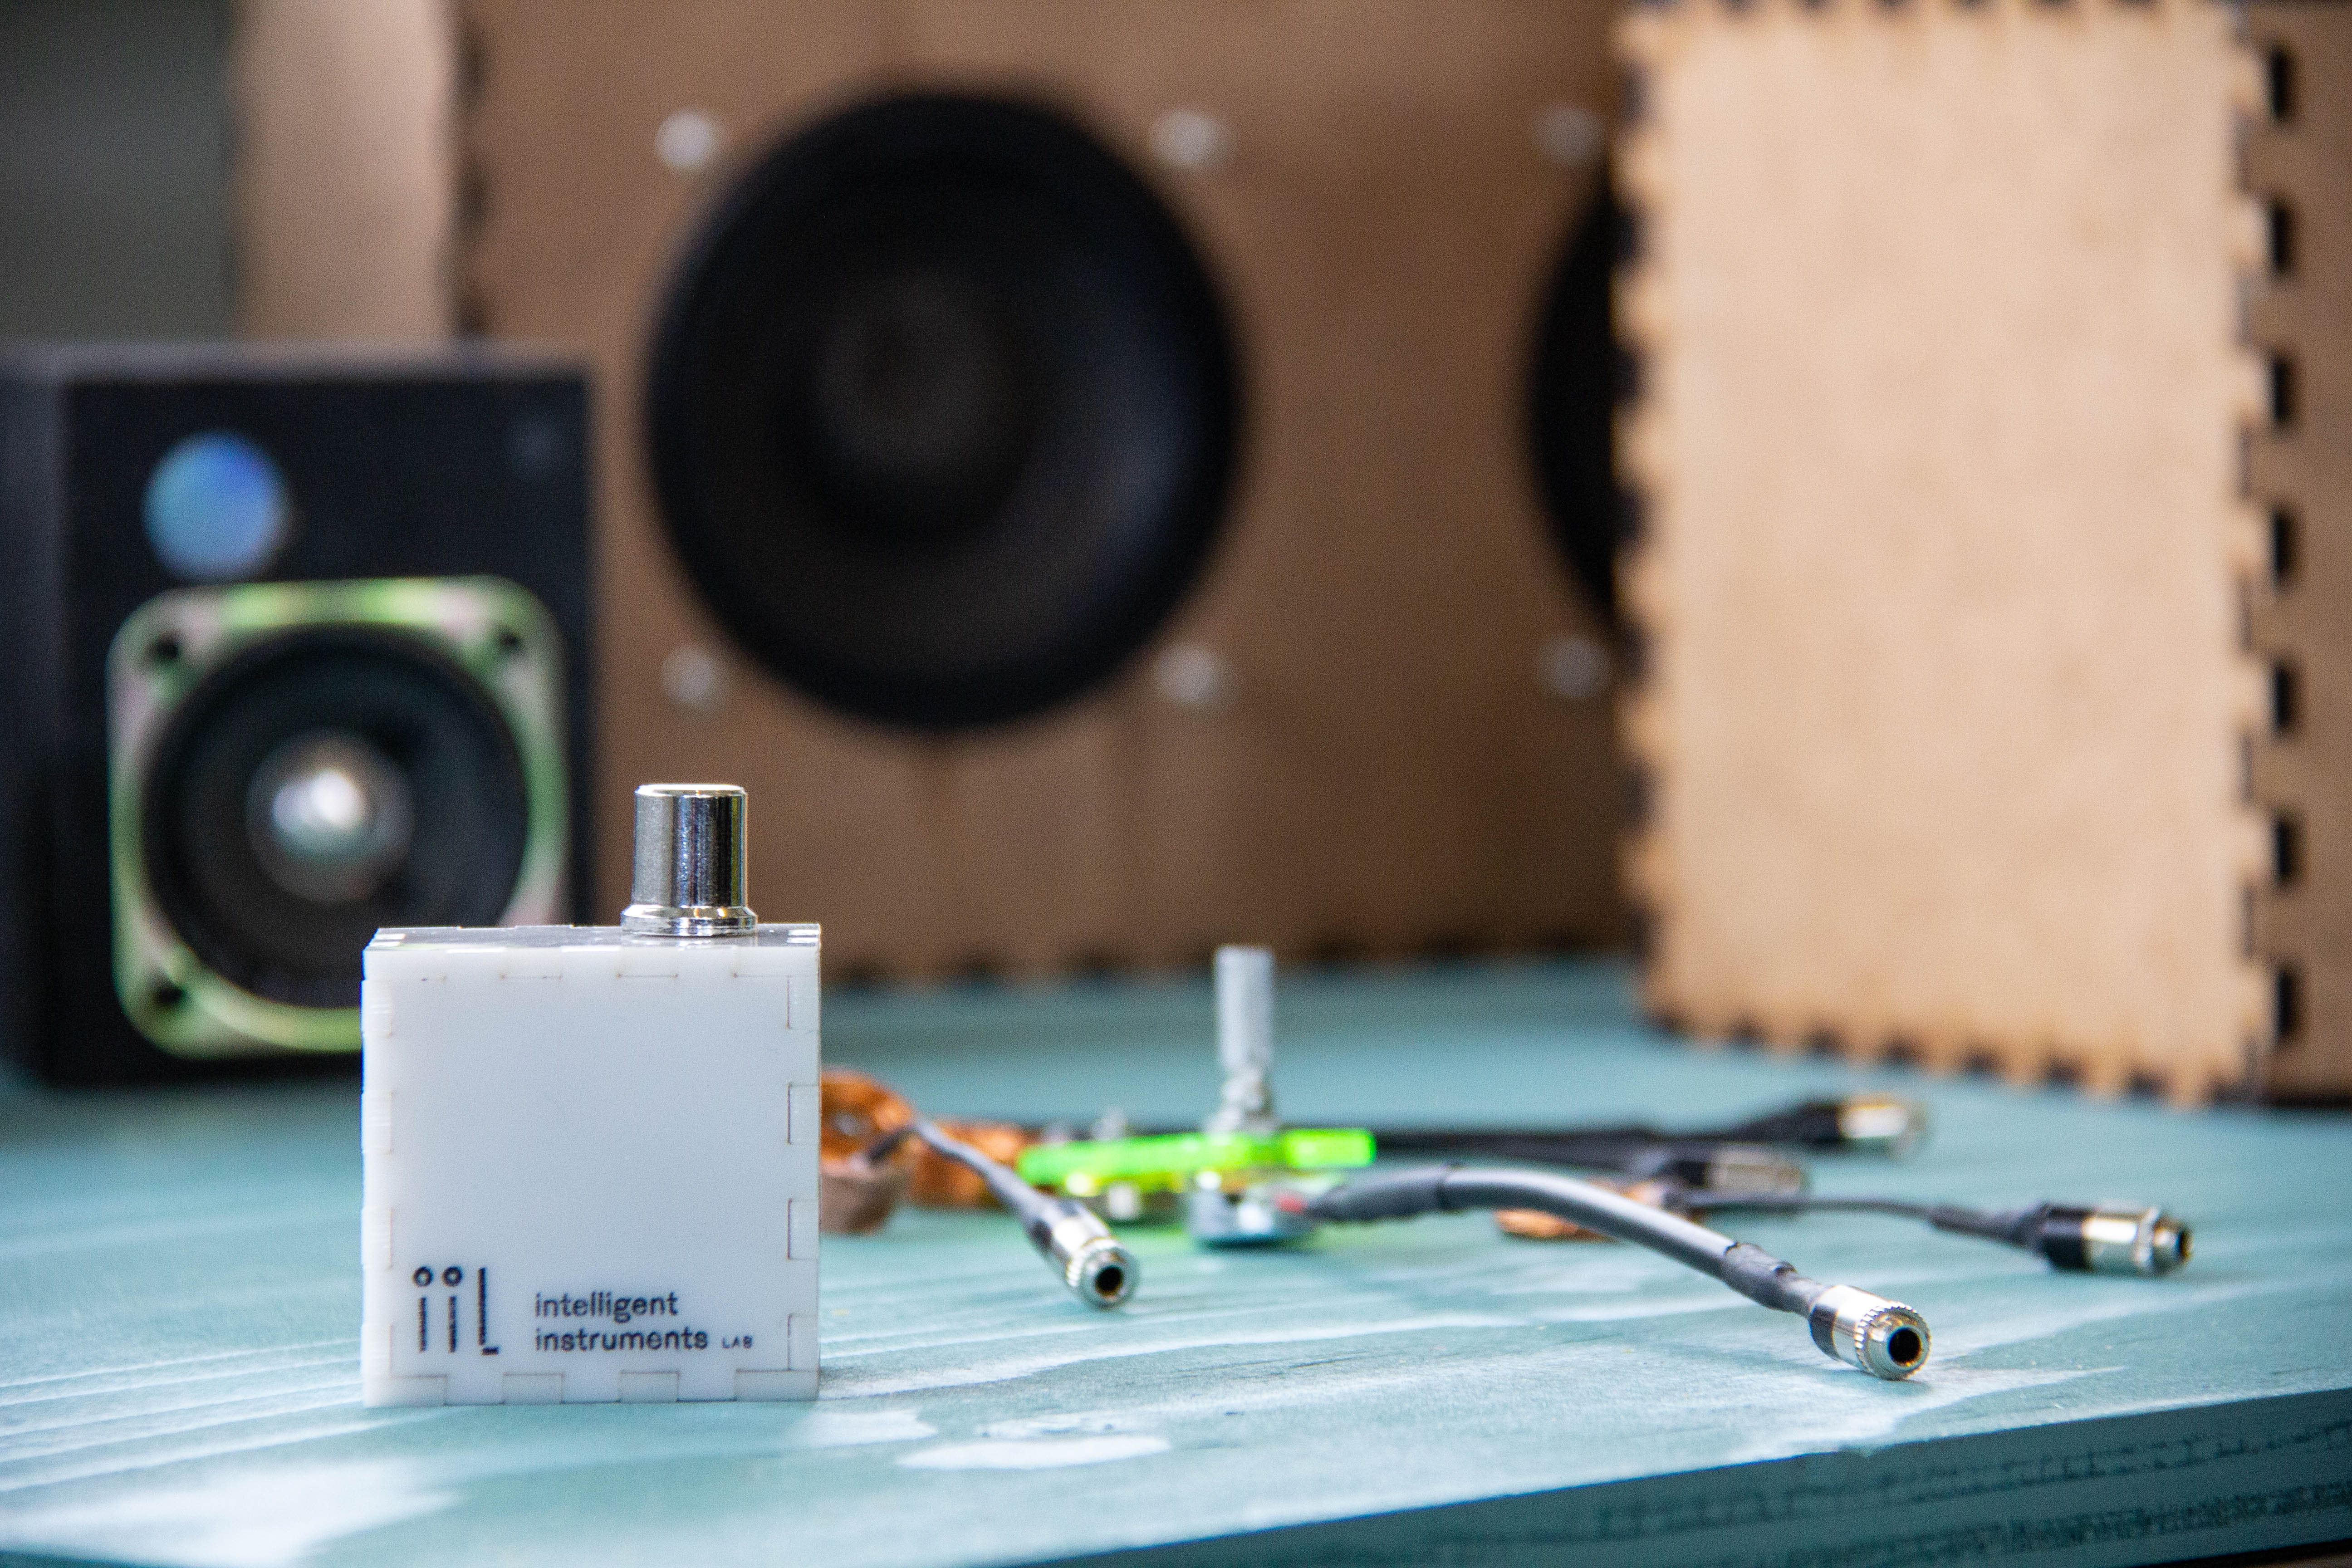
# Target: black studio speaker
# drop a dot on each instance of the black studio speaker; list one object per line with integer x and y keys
{"x": 297, "y": 645}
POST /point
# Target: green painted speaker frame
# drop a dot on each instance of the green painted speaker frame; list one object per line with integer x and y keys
{"x": 491, "y": 629}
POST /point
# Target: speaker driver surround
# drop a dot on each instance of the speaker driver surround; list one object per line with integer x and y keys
{"x": 295, "y": 765}
{"x": 942, "y": 411}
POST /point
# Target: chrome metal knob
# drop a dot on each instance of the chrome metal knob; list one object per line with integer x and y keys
{"x": 688, "y": 874}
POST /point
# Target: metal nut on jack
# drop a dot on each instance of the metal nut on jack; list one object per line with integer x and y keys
{"x": 1093, "y": 1261}
{"x": 1885, "y": 1339}
{"x": 2114, "y": 1238}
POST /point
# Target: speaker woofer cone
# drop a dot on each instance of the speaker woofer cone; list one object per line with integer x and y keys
{"x": 1579, "y": 375}
{"x": 942, "y": 412}
{"x": 271, "y": 924}
{"x": 297, "y": 765}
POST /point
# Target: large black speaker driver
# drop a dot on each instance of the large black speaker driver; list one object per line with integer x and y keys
{"x": 1581, "y": 374}
{"x": 942, "y": 411}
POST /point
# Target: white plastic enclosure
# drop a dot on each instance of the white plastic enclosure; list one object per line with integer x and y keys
{"x": 590, "y": 1167}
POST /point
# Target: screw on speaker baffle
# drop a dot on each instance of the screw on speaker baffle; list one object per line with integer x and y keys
{"x": 688, "y": 874}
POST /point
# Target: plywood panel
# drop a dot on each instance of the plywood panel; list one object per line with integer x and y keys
{"x": 2299, "y": 162}
{"x": 1943, "y": 387}
{"x": 346, "y": 187}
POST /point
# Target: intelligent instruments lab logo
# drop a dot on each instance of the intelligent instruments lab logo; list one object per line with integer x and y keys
{"x": 619, "y": 1310}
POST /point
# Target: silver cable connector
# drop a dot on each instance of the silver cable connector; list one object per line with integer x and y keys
{"x": 1066, "y": 1234}
{"x": 1093, "y": 1263}
{"x": 1885, "y": 1339}
{"x": 1880, "y": 1124}
{"x": 1748, "y": 1168}
{"x": 2113, "y": 1238}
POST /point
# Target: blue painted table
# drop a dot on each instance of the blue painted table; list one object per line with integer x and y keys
{"x": 179, "y": 1300}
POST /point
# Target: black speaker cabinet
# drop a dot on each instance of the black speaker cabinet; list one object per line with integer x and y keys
{"x": 297, "y": 646}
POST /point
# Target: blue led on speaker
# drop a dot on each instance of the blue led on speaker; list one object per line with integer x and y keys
{"x": 216, "y": 507}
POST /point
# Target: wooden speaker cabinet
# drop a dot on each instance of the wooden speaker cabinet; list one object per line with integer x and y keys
{"x": 1993, "y": 432}
{"x": 1359, "y": 703}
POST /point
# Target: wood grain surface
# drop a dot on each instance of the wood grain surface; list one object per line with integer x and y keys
{"x": 180, "y": 1298}
{"x": 1945, "y": 389}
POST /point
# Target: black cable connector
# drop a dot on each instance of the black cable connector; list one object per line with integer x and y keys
{"x": 1857, "y": 1124}
{"x": 1091, "y": 1261}
{"x": 1884, "y": 1338}
{"x": 1692, "y": 1163}
{"x": 1740, "y": 1158}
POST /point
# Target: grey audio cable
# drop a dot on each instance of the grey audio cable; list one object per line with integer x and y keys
{"x": 1884, "y": 1338}
{"x": 1093, "y": 1263}
{"x": 2101, "y": 1238}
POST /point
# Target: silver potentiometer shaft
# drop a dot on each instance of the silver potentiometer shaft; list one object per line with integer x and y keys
{"x": 1244, "y": 1041}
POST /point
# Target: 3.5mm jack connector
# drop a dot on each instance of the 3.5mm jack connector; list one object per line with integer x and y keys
{"x": 1884, "y": 1338}
{"x": 2110, "y": 1238}
{"x": 1099, "y": 1270}
{"x": 1093, "y": 1262}
{"x": 2102, "y": 1239}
